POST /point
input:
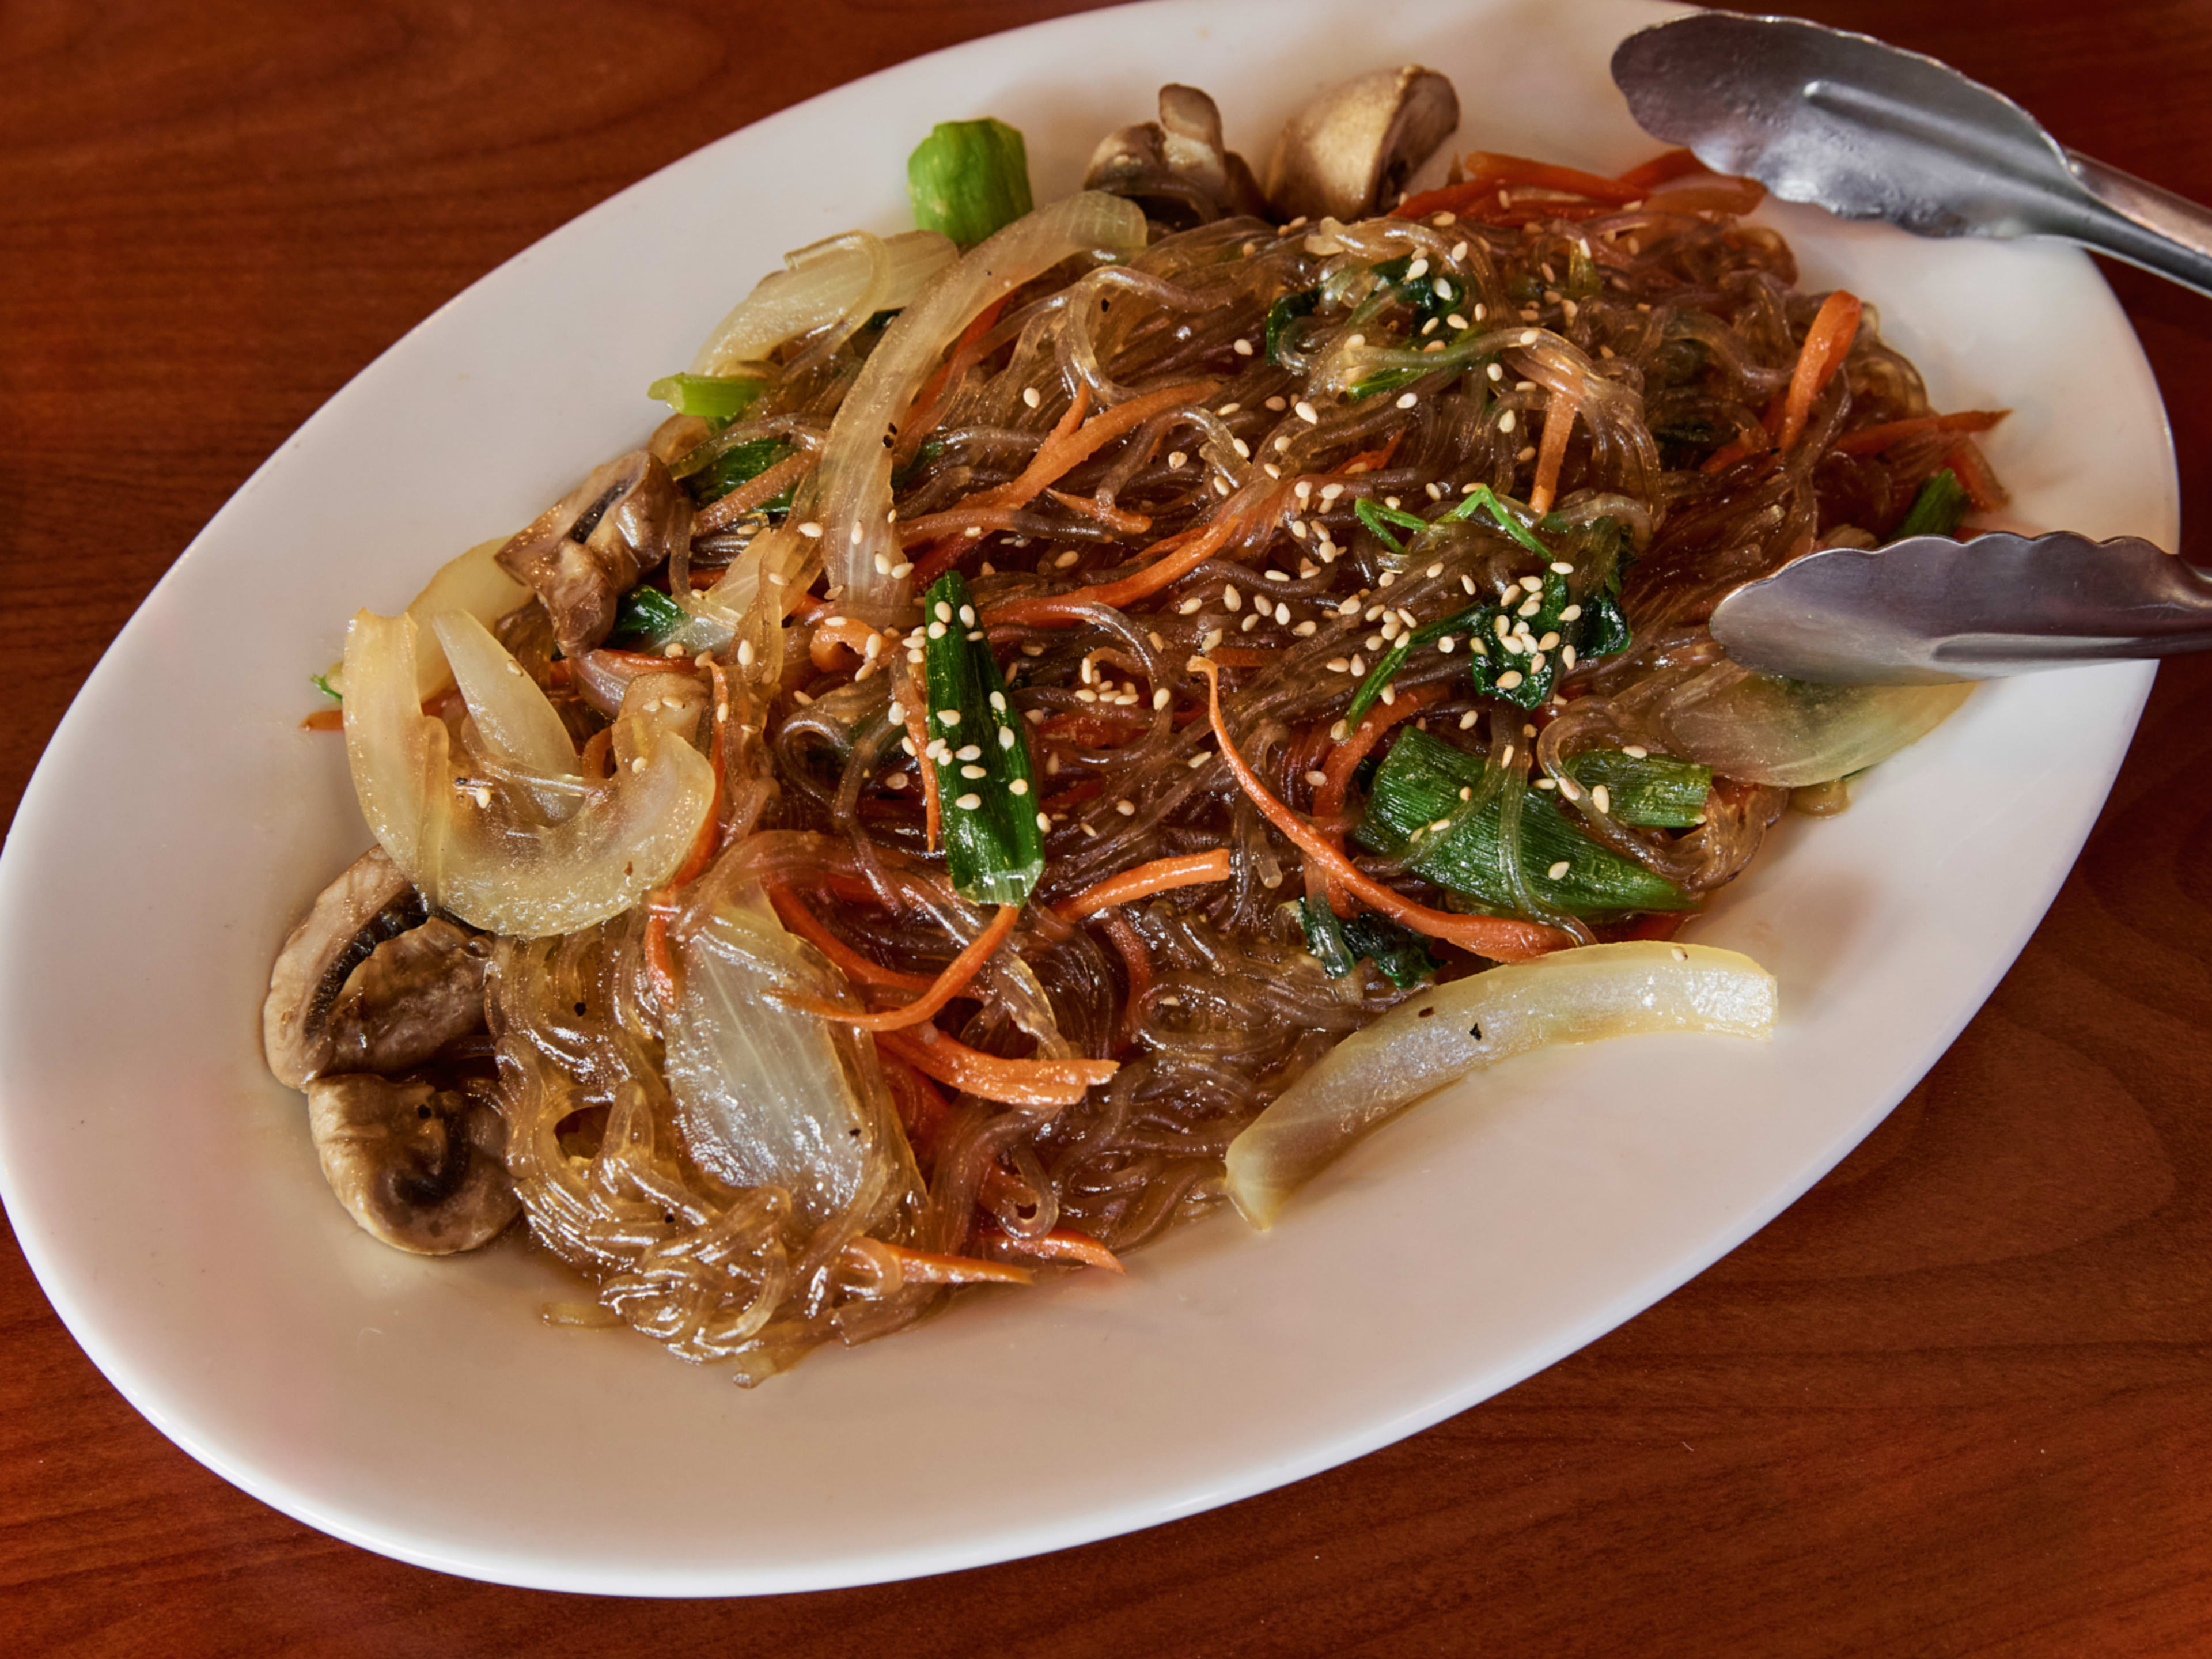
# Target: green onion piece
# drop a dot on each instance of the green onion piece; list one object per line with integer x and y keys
{"x": 1604, "y": 626}
{"x": 1482, "y": 498}
{"x": 1374, "y": 515}
{"x": 1400, "y": 955}
{"x": 1391, "y": 661}
{"x": 739, "y": 463}
{"x": 719, "y": 397}
{"x": 646, "y": 615}
{"x": 322, "y": 684}
{"x": 993, "y": 841}
{"x": 1285, "y": 312}
{"x": 1942, "y": 503}
{"x": 969, "y": 179}
{"x": 1656, "y": 791}
{"x": 1418, "y": 787}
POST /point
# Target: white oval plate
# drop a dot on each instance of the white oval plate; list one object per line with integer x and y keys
{"x": 163, "y": 1186}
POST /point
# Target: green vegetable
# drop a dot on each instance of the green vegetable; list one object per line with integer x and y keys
{"x": 1655, "y": 791}
{"x": 739, "y": 463}
{"x": 646, "y": 616}
{"x": 720, "y": 398}
{"x": 322, "y": 684}
{"x": 993, "y": 843}
{"x": 1483, "y": 499}
{"x": 1285, "y": 312}
{"x": 1417, "y": 786}
{"x": 1400, "y": 955}
{"x": 969, "y": 179}
{"x": 1372, "y": 514}
{"x": 1942, "y": 503}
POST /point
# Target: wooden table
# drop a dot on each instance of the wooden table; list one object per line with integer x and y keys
{"x": 1957, "y": 1401}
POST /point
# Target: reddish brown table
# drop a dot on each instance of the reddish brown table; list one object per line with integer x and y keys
{"x": 1957, "y": 1401}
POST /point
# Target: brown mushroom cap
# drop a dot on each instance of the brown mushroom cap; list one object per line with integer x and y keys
{"x": 419, "y": 1167}
{"x": 587, "y": 550}
{"x": 370, "y": 901}
{"x": 414, "y": 993}
{"x": 1176, "y": 161}
{"x": 1347, "y": 154}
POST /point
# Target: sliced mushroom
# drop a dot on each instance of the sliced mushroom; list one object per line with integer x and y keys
{"x": 370, "y": 902}
{"x": 587, "y": 550}
{"x": 419, "y": 1167}
{"x": 1177, "y": 167}
{"x": 414, "y": 994}
{"x": 1348, "y": 153}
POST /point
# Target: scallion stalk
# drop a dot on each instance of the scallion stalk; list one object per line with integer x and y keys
{"x": 718, "y": 398}
{"x": 1938, "y": 508}
{"x": 969, "y": 179}
{"x": 993, "y": 837}
{"x": 646, "y": 615}
{"x": 1654, "y": 792}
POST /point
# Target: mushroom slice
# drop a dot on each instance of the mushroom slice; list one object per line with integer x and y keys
{"x": 1176, "y": 163}
{"x": 1349, "y": 151}
{"x": 414, "y": 993}
{"x": 370, "y": 902}
{"x": 587, "y": 550}
{"x": 420, "y": 1167}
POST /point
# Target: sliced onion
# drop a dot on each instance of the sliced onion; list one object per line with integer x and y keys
{"x": 492, "y": 862}
{"x": 1764, "y": 730}
{"x": 767, "y": 1096}
{"x": 1444, "y": 1033}
{"x": 823, "y": 282}
{"x": 849, "y": 495}
{"x": 473, "y": 583}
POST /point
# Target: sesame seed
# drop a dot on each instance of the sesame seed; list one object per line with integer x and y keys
{"x": 1043, "y": 823}
{"x": 637, "y": 764}
{"x": 1439, "y": 824}
{"x": 1446, "y": 645}
{"x": 1338, "y": 665}
{"x": 481, "y": 795}
{"x": 1162, "y": 697}
{"x": 972, "y": 772}
{"x": 903, "y": 569}
{"x": 1407, "y": 400}
{"x": 1230, "y": 598}
{"x": 1572, "y": 613}
{"x": 969, "y": 802}
{"x": 745, "y": 653}
{"x": 1442, "y": 289}
{"x": 1681, "y": 955}
{"x": 1251, "y": 623}
{"x": 1243, "y": 449}
{"x": 1467, "y": 584}
{"x": 1175, "y": 458}
{"x": 1197, "y": 761}
{"x": 1559, "y": 869}
{"x": 1307, "y": 414}
{"x": 1509, "y": 679}
{"x": 1529, "y": 337}
{"x": 1125, "y": 807}
{"x": 1243, "y": 348}
{"x": 948, "y": 716}
{"x": 1317, "y": 779}
{"x": 1468, "y": 719}
{"x": 671, "y": 651}
{"x": 859, "y": 534}
{"x": 1354, "y": 342}
{"x": 1339, "y": 731}
{"x": 1212, "y": 638}
{"x": 1505, "y": 422}
{"x": 1567, "y": 656}
{"x": 1278, "y": 405}
{"x": 1066, "y": 559}
{"x": 1545, "y": 783}
{"x": 1637, "y": 751}
{"x": 1549, "y": 643}
{"x": 1601, "y": 798}
{"x": 937, "y": 630}
{"x": 968, "y": 752}
{"x": 1358, "y": 664}
{"x": 1031, "y": 397}
{"x": 1189, "y": 607}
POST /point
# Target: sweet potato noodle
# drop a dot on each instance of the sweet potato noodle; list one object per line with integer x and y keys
{"x": 1440, "y": 498}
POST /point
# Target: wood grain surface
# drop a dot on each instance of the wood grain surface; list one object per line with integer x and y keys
{"x": 1956, "y": 1402}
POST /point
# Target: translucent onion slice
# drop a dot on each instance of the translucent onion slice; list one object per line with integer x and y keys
{"x": 822, "y": 283}
{"x": 1446, "y": 1033}
{"x": 849, "y": 495}
{"x": 1764, "y": 730}
{"x": 767, "y": 1096}
{"x": 473, "y": 849}
{"x": 473, "y": 583}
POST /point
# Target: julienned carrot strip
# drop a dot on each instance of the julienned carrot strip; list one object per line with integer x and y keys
{"x": 1502, "y": 938}
{"x": 1066, "y": 449}
{"x": 947, "y": 985}
{"x": 917, "y": 737}
{"x": 1828, "y": 342}
{"x": 659, "y": 966}
{"x": 1665, "y": 167}
{"x": 1359, "y": 743}
{"x": 1138, "y": 960}
{"x": 325, "y": 719}
{"x": 1972, "y": 468}
{"x": 851, "y": 964}
{"x": 1160, "y": 876}
{"x": 1873, "y": 440}
{"x": 765, "y": 486}
{"x": 1118, "y": 519}
{"x": 1010, "y": 1082}
{"x": 1060, "y": 1244}
{"x": 1757, "y": 441}
{"x": 1494, "y": 168}
{"x": 1182, "y": 552}
{"x": 834, "y": 634}
{"x": 1245, "y": 656}
{"x": 920, "y": 1267}
{"x": 1344, "y": 760}
{"x": 922, "y": 414}
{"x": 1551, "y": 452}
{"x": 921, "y": 1109}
